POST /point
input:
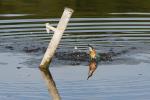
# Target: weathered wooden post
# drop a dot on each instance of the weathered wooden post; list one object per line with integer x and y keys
{"x": 58, "y": 32}
{"x": 44, "y": 66}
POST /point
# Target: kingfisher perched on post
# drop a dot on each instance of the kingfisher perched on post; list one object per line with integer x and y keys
{"x": 92, "y": 61}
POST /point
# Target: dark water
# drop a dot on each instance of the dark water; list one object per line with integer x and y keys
{"x": 105, "y": 24}
{"x": 117, "y": 24}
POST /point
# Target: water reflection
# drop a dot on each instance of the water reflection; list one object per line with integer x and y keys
{"x": 102, "y": 33}
{"x": 86, "y": 8}
{"x": 108, "y": 24}
{"x": 50, "y": 84}
{"x": 13, "y": 15}
{"x": 92, "y": 67}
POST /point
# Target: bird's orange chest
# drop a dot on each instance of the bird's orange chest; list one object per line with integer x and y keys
{"x": 92, "y": 53}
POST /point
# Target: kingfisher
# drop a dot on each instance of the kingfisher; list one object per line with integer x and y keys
{"x": 92, "y": 52}
{"x": 92, "y": 61}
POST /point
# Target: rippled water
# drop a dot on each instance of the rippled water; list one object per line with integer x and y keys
{"x": 100, "y": 32}
{"x": 118, "y": 26}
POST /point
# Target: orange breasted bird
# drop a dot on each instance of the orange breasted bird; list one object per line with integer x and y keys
{"x": 92, "y": 61}
{"x": 92, "y": 52}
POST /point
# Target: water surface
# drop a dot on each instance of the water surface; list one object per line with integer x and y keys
{"x": 107, "y": 25}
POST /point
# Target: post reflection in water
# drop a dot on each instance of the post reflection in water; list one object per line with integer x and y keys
{"x": 50, "y": 84}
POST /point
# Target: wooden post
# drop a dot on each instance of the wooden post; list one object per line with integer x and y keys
{"x": 58, "y": 32}
{"x": 44, "y": 66}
